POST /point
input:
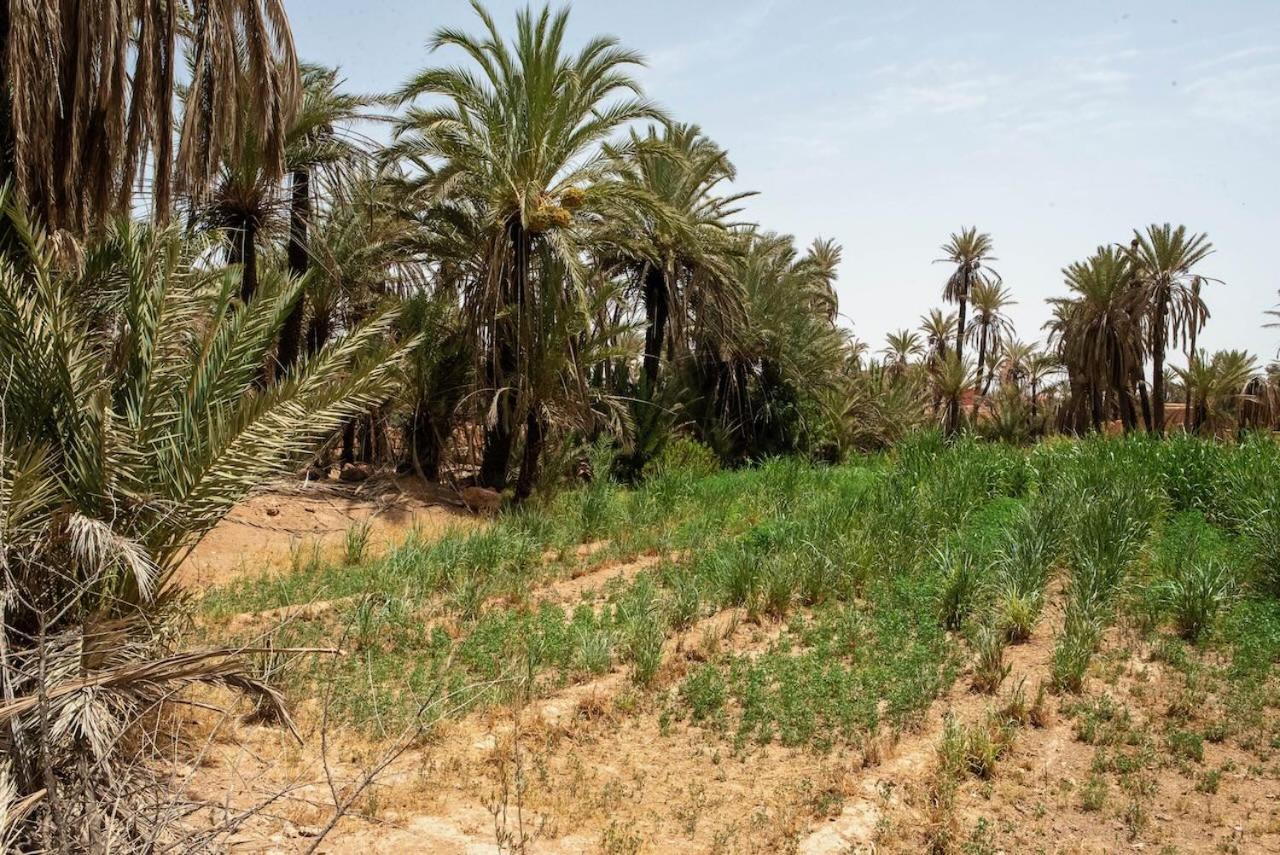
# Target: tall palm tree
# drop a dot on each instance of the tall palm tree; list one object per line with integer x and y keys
{"x": 523, "y": 133}
{"x": 990, "y": 324}
{"x": 90, "y": 94}
{"x": 969, "y": 251}
{"x": 1162, "y": 258}
{"x": 673, "y": 231}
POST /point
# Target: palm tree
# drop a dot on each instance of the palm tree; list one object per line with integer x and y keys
{"x": 673, "y": 231}
{"x": 1099, "y": 333}
{"x": 1162, "y": 259}
{"x": 989, "y": 299}
{"x": 899, "y": 348}
{"x": 319, "y": 139}
{"x": 969, "y": 251}
{"x": 951, "y": 380}
{"x": 1217, "y": 389}
{"x": 133, "y": 421}
{"x": 1041, "y": 366}
{"x": 90, "y": 95}
{"x": 523, "y": 137}
{"x": 938, "y": 329}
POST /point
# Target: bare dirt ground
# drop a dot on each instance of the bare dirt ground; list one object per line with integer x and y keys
{"x": 598, "y": 767}
{"x": 265, "y": 532}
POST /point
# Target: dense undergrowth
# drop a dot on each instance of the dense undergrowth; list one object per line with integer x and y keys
{"x": 867, "y": 587}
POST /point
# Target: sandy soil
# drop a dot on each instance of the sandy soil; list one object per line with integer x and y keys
{"x": 264, "y": 532}
{"x": 600, "y": 767}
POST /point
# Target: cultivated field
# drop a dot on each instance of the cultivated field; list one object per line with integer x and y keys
{"x": 970, "y": 648}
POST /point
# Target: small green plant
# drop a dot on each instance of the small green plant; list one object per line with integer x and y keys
{"x": 1209, "y": 781}
{"x": 960, "y": 585}
{"x": 704, "y": 692}
{"x": 989, "y": 668}
{"x": 1074, "y": 651}
{"x": 356, "y": 541}
{"x": 1094, "y": 794}
{"x": 593, "y": 650}
{"x": 1197, "y": 594}
{"x": 1186, "y": 745}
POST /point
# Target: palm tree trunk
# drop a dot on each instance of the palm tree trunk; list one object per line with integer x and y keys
{"x": 243, "y": 251}
{"x": 534, "y": 440}
{"x": 299, "y": 262}
{"x": 656, "y": 312}
{"x": 499, "y": 437}
{"x": 423, "y": 442}
{"x": 982, "y": 360}
{"x": 1157, "y": 364}
{"x": 964, "y": 305}
{"x": 1095, "y": 407}
{"x": 348, "y": 454}
{"x": 318, "y": 331}
{"x": 1143, "y": 397}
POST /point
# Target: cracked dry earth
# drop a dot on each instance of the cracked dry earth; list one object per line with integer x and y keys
{"x": 597, "y": 767}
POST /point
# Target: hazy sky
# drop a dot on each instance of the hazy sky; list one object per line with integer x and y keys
{"x": 1053, "y": 126}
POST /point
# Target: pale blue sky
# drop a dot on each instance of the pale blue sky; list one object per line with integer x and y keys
{"x": 1053, "y": 126}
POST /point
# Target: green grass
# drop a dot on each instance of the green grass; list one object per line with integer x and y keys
{"x": 880, "y": 579}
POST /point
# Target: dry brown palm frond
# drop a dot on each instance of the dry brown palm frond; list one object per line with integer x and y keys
{"x": 92, "y": 88}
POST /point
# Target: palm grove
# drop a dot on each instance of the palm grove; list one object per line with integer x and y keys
{"x": 540, "y": 259}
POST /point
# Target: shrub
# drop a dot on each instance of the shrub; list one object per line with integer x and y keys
{"x": 684, "y": 457}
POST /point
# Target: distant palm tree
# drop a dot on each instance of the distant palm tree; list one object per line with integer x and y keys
{"x": 1099, "y": 333}
{"x": 990, "y": 324}
{"x": 938, "y": 330}
{"x": 969, "y": 251}
{"x": 899, "y": 349}
{"x": 1217, "y": 388}
{"x": 86, "y": 103}
{"x": 951, "y": 380}
{"x": 522, "y": 135}
{"x": 1162, "y": 259}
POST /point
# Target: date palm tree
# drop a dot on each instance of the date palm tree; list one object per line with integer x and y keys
{"x": 900, "y": 347}
{"x": 673, "y": 231}
{"x": 969, "y": 251}
{"x": 1217, "y": 388}
{"x": 1099, "y": 331}
{"x": 990, "y": 324}
{"x": 90, "y": 94}
{"x": 1162, "y": 259}
{"x": 523, "y": 132}
{"x": 133, "y": 421}
{"x": 320, "y": 139}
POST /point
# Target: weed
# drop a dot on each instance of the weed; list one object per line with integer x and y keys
{"x": 1094, "y": 794}
{"x": 960, "y": 585}
{"x": 356, "y": 541}
{"x": 989, "y": 669}
{"x": 1185, "y": 745}
{"x": 1197, "y": 594}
